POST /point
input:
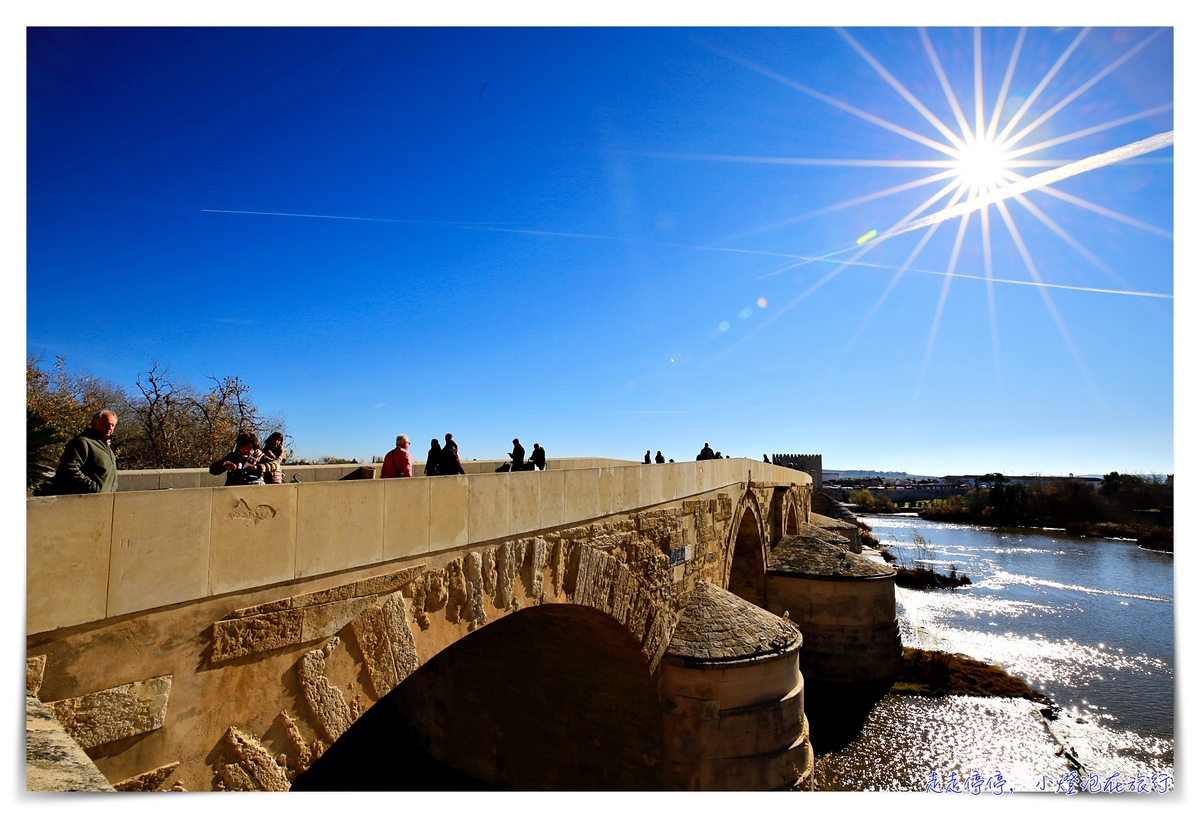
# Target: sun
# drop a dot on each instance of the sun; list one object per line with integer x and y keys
{"x": 982, "y": 164}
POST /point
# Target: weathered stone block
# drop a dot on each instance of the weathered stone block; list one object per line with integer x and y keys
{"x": 148, "y": 781}
{"x": 35, "y": 670}
{"x": 326, "y": 702}
{"x": 256, "y": 761}
{"x": 371, "y": 634}
{"x": 320, "y": 621}
{"x": 255, "y": 634}
{"x": 116, "y": 713}
{"x": 387, "y": 583}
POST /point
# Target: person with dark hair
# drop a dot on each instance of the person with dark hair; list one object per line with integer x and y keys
{"x": 517, "y": 455}
{"x": 240, "y": 466}
{"x": 658, "y": 458}
{"x": 717, "y": 456}
{"x": 646, "y": 459}
{"x": 273, "y": 455}
{"x": 398, "y": 462}
{"x": 537, "y": 460}
{"x": 765, "y": 459}
{"x": 449, "y": 462}
{"x": 87, "y": 465}
{"x": 433, "y": 459}
{"x": 706, "y": 453}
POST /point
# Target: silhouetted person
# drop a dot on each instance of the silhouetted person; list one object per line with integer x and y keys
{"x": 517, "y": 455}
{"x": 765, "y": 459}
{"x": 717, "y": 456}
{"x": 706, "y": 453}
{"x": 658, "y": 458}
{"x": 433, "y": 459}
{"x": 450, "y": 463}
{"x": 537, "y": 460}
{"x": 646, "y": 459}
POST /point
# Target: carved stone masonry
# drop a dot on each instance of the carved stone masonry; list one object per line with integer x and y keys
{"x": 326, "y": 702}
{"x": 115, "y": 713}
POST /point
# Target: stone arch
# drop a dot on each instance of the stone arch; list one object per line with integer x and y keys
{"x": 746, "y": 567}
{"x": 792, "y": 514}
{"x": 556, "y": 696}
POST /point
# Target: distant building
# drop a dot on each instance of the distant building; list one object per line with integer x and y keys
{"x": 810, "y": 464}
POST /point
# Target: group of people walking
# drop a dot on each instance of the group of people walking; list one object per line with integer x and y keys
{"x": 440, "y": 460}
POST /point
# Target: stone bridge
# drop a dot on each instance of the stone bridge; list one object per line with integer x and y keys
{"x": 599, "y": 625}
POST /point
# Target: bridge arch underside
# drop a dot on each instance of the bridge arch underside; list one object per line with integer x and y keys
{"x": 556, "y": 697}
{"x": 748, "y": 560}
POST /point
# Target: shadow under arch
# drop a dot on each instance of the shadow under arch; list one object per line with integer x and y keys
{"x": 552, "y": 697}
{"x": 748, "y": 553}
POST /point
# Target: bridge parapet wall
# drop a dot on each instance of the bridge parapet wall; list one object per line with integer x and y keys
{"x": 155, "y": 479}
{"x": 93, "y": 557}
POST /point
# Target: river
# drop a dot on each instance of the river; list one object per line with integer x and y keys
{"x": 1089, "y": 622}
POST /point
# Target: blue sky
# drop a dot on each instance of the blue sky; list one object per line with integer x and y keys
{"x": 551, "y": 231}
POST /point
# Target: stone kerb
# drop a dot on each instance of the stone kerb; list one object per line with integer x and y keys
{"x": 93, "y": 557}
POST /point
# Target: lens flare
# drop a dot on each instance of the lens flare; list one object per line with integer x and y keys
{"x": 762, "y": 303}
{"x": 724, "y": 325}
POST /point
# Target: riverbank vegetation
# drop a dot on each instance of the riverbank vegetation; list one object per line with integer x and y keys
{"x": 936, "y": 673}
{"x": 1131, "y": 506}
{"x": 871, "y": 503}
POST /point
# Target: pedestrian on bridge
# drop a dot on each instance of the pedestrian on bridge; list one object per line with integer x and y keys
{"x": 706, "y": 453}
{"x": 537, "y": 460}
{"x": 433, "y": 459}
{"x": 449, "y": 463}
{"x": 398, "y": 462}
{"x": 658, "y": 458}
{"x": 88, "y": 464}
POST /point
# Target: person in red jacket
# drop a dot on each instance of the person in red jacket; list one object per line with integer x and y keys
{"x": 398, "y": 462}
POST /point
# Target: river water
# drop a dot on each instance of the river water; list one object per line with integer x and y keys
{"x": 1089, "y": 622}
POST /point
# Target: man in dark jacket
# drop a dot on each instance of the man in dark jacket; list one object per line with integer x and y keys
{"x": 537, "y": 460}
{"x": 88, "y": 465}
{"x": 450, "y": 462}
{"x": 706, "y": 453}
{"x": 517, "y": 455}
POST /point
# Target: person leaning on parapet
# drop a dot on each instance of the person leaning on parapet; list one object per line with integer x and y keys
{"x": 88, "y": 465}
{"x": 271, "y": 461}
{"x": 517, "y": 455}
{"x": 398, "y": 462}
{"x": 658, "y": 458}
{"x": 646, "y": 459}
{"x": 449, "y": 462}
{"x": 240, "y": 466}
{"x": 706, "y": 453}
{"x": 537, "y": 460}
{"x": 433, "y": 459}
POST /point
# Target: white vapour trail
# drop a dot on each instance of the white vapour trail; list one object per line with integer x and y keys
{"x": 869, "y": 197}
{"x": 801, "y": 260}
{"x": 1095, "y": 208}
{"x": 1153, "y": 143}
{"x": 1058, "y": 140}
{"x": 344, "y": 218}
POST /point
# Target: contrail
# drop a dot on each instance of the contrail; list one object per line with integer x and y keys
{"x": 340, "y": 218}
{"x": 1153, "y": 143}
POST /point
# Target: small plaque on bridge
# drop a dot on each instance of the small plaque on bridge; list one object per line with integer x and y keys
{"x": 680, "y": 555}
